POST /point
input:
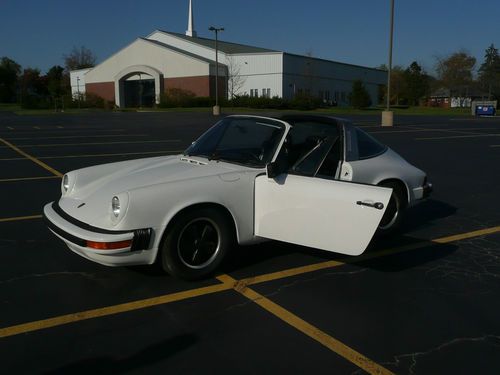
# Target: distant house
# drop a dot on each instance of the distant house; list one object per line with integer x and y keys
{"x": 446, "y": 98}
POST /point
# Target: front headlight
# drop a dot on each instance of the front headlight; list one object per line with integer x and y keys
{"x": 68, "y": 182}
{"x": 118, "y": 208}
{"x": 65, "y": 183}
{"x": 115, "y": 206}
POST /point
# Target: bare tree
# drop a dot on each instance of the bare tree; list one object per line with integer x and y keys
{"x": 235, "y": 80}
{"x": 79, "y": 58}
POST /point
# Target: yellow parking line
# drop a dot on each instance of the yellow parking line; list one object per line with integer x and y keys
{"x": 240, "y": 284}
{"x": 28, "y": 178}
{"x": 290, "y": 272}
{"x": 465, "y": 236}
{"x": 33, "y": 159}
{"x": 19, "y": 218}
{"x": 306, "y": 328}
{"x": 110, "y": 310}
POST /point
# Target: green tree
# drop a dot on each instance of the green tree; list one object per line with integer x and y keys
{"x": 56, "y": 81}
{"x": 33, "y": 89}
{"x": 489, "y": 72}
{"x": 79, "y": 58}
{"x": 416, "y": 83}
{"x": 9, "y": 76}
{"x": 456, "y": 72}
{"x": 359, "y": 97}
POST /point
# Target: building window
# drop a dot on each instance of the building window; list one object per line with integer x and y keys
{"x": 254, "y": 93}
{"x": 266, "y": 93}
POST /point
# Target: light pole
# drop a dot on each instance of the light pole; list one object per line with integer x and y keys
{"x": 216, "y": 109}
{"x": 78, "y": 89}
{"x": 140, "y": 90}
{"x": 387, "y": 115}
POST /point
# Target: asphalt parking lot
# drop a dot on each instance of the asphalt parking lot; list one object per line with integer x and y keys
{"x": 425, "y": 301}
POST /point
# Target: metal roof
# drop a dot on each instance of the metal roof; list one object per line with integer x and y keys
{"x": 226, "y": 47}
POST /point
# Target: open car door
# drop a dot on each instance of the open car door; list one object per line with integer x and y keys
{"x": 331, "y": 215}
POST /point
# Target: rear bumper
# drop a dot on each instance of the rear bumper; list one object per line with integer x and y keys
{"x": 421, "y": 192}
{"x": 125, "y": 247}
{"x": 427, "y": 190}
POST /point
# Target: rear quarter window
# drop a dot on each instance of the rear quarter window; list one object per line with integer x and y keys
{"x": 368, "y": 147}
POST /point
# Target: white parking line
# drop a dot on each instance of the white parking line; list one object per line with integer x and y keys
{"x": 79, "y": 136}
{"x": 100, "y": 143}
{"x": 65, "y": 131}
{"x": 458, "y": 137}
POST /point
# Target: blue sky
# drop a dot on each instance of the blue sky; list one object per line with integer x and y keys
{"x": 37, "y": 33}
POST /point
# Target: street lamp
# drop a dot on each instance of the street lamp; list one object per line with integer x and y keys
{"x": 216, "y": 109}
{"x": 78, "y": 89}
{"x": 387, "y": 115}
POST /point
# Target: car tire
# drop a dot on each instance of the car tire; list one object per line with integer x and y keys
{"x": 393, "y": 214}
{"x": 196, "y": 243}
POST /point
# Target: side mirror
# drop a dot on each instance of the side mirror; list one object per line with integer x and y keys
{"x": 273, "y": 169}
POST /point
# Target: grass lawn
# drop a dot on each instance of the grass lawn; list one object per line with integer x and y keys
{"x": 432, "y": 111}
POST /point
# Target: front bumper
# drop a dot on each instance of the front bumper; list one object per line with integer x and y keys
{"x": 118, "y": 247}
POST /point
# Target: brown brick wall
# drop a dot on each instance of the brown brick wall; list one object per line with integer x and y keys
{"x": 105, "y": 90}
{"x": 199, "y": 85}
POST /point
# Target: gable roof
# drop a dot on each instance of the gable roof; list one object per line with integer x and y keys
{"x": 181, "y": 51}
{"x": 226, "y": 47}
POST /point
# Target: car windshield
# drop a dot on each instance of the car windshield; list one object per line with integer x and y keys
{"x": 241, "y": 140}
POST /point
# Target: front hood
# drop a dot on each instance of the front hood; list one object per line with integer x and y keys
{"x": 89, "y": 199}
{"x": 125, "y": 176}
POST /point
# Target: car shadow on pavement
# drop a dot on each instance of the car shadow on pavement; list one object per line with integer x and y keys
{"x": 137, "y": 361}
{"x": 409, "y": 253}
{"x": 423, "y": 214}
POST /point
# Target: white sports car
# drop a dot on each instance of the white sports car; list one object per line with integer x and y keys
{"x": 308, "y": 180}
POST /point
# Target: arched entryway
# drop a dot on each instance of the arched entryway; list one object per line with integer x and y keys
{"x": 138, "y": 86}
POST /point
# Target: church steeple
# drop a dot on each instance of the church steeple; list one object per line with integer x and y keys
{"x": 190, "y": 31}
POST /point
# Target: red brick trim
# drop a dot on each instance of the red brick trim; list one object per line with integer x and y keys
{"x": 105, "y": 90}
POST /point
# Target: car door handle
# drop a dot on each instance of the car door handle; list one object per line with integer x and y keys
{"x": 377, "y": 205}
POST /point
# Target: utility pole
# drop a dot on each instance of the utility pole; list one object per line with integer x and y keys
{"x": 78, "y": 90}
{"x": 388, "y": 115}
{"x": 216, "y": 109}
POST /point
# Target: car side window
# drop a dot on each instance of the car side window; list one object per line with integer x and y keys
{"x": 368, "y": 147}
{"x": 308, "y": 146}
{"x": 330, "y": 165}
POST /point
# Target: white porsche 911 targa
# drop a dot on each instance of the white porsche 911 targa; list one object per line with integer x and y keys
{"x": 309, "y": 180}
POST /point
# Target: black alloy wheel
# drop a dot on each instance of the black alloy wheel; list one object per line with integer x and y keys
{"x": 197, "y": 243}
